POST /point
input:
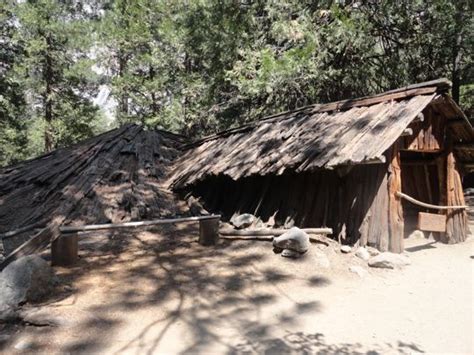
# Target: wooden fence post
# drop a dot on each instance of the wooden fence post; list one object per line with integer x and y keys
{"x": 64, "y": 250}
{"x": 209, "y": 231}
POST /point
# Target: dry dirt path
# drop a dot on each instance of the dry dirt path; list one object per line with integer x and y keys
{"x": 146, "y": 293}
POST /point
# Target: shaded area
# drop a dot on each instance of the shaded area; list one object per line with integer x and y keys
{"x": 115, "y": 177}
{"x": 167, "y": 278}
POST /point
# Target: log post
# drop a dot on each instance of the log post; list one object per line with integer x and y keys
{"x": 64, "y": 250}
{"x": 443, "y": 196}
{"x": 456, "y": 223}
{"x": 395, "y": 212}
{"x": 209, "y": 231}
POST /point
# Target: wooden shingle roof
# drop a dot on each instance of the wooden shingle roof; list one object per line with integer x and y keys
{"x": 317, "y": 136}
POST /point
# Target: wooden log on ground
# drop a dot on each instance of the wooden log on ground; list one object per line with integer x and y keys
{"x": 272, "y": 231}
{"x": 64, "y": 250}
{"x": 209, "y": 231}
{"x": 316, "y": 235}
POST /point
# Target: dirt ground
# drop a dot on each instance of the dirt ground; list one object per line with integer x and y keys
{"x": 158, "y": 291}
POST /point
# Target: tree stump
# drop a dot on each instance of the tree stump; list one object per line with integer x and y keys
{"x": 64, "y": 250}
{"x": 209, "y": 231}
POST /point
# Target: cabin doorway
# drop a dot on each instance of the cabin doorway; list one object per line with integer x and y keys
{"x": 420, "y": 180}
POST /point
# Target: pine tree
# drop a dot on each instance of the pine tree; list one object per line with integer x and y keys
{"x": 13, "y": 122}
{"x": 56, "y": 70}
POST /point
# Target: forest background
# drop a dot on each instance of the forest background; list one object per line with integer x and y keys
{"x": 71, "y": 69}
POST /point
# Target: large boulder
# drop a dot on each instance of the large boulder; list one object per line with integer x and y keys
{"x": 295, "y": 239}
{"x": 28, "y": 279}
{"x": 242, "y": 221}
{"x": 389, "y": 261}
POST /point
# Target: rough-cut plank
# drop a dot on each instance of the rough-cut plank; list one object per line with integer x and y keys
{"x": 431, "y": 222}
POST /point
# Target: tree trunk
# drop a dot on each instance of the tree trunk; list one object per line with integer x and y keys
{"x": 47, "y": 99}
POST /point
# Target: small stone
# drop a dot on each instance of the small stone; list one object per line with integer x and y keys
{"x": 363, "y": 253}
{"x": 23, "y": 345}
{"x": 416, "y": 234}
{"x": 346, "y": 249}
{"x": 389, "y": 261}
{"x": 360, "y": 271}
{"x": 242, "y": 221}
{"x": 295, "y": 239}
{"x": 288, "y": 253}
{"x": 372, "y": 251}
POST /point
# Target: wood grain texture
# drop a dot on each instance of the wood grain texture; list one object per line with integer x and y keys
{"x": 301, "y": 141}
{"x": 112, "y": 178}
{"x": 431, "y": 222}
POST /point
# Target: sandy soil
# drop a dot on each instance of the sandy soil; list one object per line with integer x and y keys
{"x": 158, "y": 291}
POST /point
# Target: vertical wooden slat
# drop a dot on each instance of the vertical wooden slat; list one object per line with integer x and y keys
{"x": 456, "y": 224}
{"x": 443, "y": 191}
{"x": 395, "y": 211}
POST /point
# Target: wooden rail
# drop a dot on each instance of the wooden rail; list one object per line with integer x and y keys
{"x": 427, "y": 205}
{"x": 64, "y": 250}
{"x": 93, "y": 227}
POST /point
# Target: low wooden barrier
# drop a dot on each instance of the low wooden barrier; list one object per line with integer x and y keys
{"x": 64, "y": 249}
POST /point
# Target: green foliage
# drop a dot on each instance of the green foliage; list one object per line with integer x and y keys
{"x": 56, "y": 68}
{"x": 13, "y": 122}
{"x": 206, "y": 65}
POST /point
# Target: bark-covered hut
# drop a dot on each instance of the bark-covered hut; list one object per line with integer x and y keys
{"x": 343, "y": 165}
{"x": 118, "y": 176}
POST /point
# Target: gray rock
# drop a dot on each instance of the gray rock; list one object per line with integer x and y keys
{"x": 295, "y": 239}
{"x": 346, "y": 249}
{"x": 195, "y": 206}
{"x": 27, "y": 279}
{"x": 360, "y": 271}
{"x": 389, "y": 261}
{"x": 372, "y": 251}
{"x": 23, "y": 345}
{"x": 288, "y": 253}
{"x": 322, "y": 260}
{"x": 242, "y": 221}
{"x": 362, "y": 253}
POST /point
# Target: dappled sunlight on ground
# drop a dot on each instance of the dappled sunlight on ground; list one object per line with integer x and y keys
{"x": 154, "y": 291}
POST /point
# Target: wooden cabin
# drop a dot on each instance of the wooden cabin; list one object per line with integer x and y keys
{"x": 374, "y": 169}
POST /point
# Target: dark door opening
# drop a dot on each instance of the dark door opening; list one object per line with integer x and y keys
{"x": 420, "y": 180}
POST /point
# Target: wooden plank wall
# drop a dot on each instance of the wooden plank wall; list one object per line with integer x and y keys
{"x": 429, "y": 134}
{"x": 355, "y": 205}
{"x": 457, "y": 222}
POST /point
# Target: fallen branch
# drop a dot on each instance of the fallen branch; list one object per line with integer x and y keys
{"x": 24, "y": 229}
